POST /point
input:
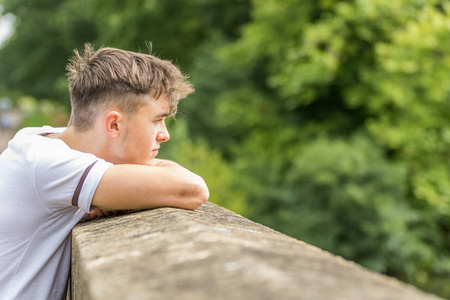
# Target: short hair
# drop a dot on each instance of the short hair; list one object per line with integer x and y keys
{"x": 110, "y": 76}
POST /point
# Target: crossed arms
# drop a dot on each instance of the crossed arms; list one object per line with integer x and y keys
{"x": 162, "y": 184}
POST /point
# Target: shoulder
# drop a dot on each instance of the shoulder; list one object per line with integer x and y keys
{"x": 51, "y": 158}
{"x": 47, "y": 154}
{"x": 36, "y": 131}
{"x": 31, "y": 137}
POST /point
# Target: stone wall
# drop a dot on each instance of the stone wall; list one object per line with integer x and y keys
{"x": 213, "y": 254}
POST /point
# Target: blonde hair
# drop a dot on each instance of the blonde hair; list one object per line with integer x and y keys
{"x": 109, "y": 76}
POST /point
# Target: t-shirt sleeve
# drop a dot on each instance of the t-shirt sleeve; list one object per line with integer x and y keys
{"x": 65, "y": 178}
{"x": 88, "y": 184}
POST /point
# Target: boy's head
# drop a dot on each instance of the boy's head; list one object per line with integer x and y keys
{"x": 113, "y": 77}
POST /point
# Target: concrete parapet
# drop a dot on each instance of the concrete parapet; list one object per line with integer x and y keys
{"x": 213, "y": 254}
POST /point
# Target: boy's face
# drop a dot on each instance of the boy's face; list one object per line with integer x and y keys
{"x": 144, "y": 132}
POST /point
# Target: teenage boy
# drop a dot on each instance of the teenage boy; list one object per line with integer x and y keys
{"x": 52, "y": 178}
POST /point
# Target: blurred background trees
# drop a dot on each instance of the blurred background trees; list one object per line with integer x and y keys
{"x": 326, "y": 120}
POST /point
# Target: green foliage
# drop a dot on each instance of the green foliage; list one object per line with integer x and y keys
{"x": 34, "y": 60}
{"x": 34, "y": 114}
{"x": 346, "y": 193}
{"x": 379, "y": 67}
{"x": 199, "y": 158}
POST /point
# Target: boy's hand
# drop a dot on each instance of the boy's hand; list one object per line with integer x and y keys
{"x": 101, "y": 212}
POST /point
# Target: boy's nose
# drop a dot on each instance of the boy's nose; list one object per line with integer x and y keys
{"x": 163, "y": 136}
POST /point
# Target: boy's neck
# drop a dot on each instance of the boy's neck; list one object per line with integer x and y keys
{"x": 84, "y": 141}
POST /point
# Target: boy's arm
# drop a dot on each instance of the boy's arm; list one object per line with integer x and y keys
{"x": 164, "y": 183}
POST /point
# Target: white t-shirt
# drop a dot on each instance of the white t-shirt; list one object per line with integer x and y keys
{"x": 46, "y": 188}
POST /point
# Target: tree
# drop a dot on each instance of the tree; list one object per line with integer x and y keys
{"x": 47, "y": 31}
{"x": 330, "y": 74}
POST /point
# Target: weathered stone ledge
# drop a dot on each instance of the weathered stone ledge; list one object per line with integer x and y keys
{"x": 212, "y": 253}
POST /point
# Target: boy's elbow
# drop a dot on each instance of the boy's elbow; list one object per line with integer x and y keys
{"x": 200, "y": 194}
{"x": 204, "y": 193}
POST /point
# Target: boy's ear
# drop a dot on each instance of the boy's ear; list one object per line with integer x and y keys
{"x": 113, "y": 124}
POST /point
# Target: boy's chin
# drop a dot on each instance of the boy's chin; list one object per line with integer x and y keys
{"x": 151, "y": 162}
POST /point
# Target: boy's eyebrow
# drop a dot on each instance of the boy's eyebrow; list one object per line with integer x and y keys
{"x": 162, "y": 115}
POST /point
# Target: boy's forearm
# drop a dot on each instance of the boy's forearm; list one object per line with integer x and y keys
{"x": 156, "y": 162}
{"x": 163, "y": 183}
